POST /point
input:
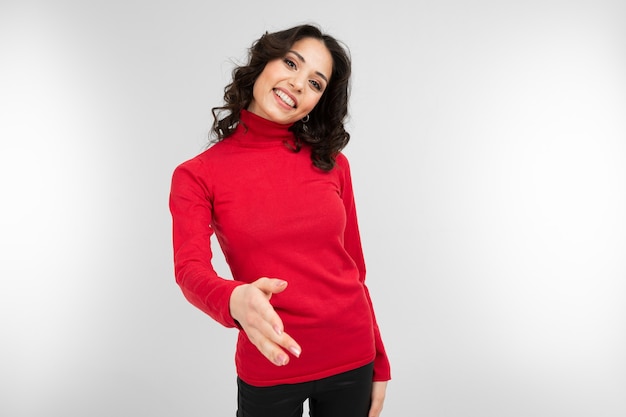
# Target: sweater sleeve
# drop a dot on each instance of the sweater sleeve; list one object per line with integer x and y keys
{"x": 352, "y": 243}
{"x": 191, "y": 208}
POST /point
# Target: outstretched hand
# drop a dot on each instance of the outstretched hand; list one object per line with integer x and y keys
{"x": 250, "y": 306}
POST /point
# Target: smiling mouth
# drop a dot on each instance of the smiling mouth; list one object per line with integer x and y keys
{"x": 285, "y": 98}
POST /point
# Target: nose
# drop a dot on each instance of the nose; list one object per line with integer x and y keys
{"x": 297, "y": 82}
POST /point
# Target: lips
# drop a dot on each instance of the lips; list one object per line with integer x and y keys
{"x": 285, "y": 98}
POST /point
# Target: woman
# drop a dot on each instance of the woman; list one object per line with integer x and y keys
{"x": 276, "y": 190}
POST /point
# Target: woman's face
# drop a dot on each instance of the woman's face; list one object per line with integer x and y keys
{"x": 288, "y": 88}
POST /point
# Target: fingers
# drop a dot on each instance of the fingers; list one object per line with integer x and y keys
{"x": 250, "y": 306}
{"x": 261, "y": 308}
{"x": 270, "y": 285}
{"x": 274, "y": 346}
{"x": 265, "y": 330}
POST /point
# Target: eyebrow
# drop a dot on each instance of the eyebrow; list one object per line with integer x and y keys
{"x": 301, "y": 58}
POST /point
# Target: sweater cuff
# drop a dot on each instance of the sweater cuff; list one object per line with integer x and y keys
{"x": 225, "y": 317}
{"x": 382, "y": 369}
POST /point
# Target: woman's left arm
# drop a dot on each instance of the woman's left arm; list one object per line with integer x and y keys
{"x": 352, "y": 243}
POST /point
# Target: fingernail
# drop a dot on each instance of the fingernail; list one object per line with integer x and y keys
{"x": 278, "y": 330}
{"x": 281, "y": 360}
{"x": 296, "y": 352}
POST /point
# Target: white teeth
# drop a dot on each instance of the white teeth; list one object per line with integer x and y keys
{"x": 284, "y": 97}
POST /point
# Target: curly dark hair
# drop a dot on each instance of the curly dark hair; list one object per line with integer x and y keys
{"x": 324, "y": 132}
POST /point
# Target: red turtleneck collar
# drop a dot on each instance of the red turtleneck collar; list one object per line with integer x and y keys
{"x": 256, "y": 130}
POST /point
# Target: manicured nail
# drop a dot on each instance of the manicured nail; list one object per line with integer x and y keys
{"x": 296, "y": 352}
{"x": 278, "y": 330}
{"x": 281, "y": 359}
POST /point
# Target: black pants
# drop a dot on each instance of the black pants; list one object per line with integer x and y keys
{"x": 344, "y": 395}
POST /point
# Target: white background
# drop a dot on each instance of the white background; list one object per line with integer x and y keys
{"x": 489, "y": 160}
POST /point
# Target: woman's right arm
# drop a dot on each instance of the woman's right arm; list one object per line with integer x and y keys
{"x": 191, "y": 208}
{"x": 229, "y": 302}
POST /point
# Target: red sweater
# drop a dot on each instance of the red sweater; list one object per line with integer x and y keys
{"x": 276, "y": 215}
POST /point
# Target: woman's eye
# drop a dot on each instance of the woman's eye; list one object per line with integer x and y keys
{"x": 290, "y": 63}
{"x": 316, "y": 85}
